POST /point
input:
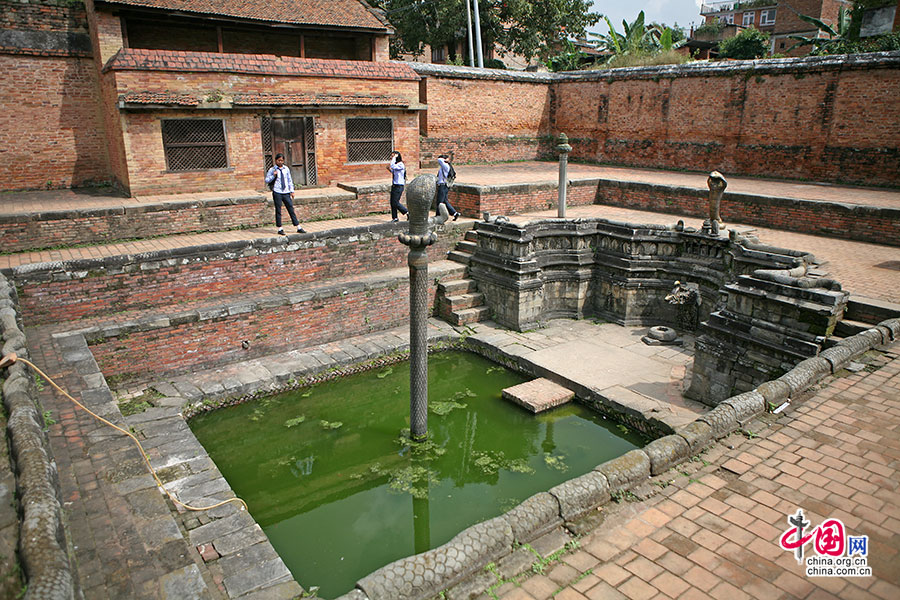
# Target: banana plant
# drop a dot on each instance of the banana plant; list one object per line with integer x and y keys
{"x": 836, "y": 37}
{"x": 636, "y": 39}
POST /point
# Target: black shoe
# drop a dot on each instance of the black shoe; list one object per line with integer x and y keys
{"x": 281, "y": 232}
{"x": 456, "y": 216}
{"x": 407, "y": 216}
{"x": 300, "y": 229}
{"x": 395, "y": 220}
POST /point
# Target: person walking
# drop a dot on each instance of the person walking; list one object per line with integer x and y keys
{"x": 443, "y": 185}
{"x": 282, "y": 186}
{"x": 398, "y": 181}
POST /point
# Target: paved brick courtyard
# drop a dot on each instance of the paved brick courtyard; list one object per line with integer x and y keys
{"x": 714, "y": 531}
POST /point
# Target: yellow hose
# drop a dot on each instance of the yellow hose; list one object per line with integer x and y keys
{"x": 11, "y": 358}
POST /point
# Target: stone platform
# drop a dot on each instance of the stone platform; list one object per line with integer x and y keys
{"x": 538, "y": 395}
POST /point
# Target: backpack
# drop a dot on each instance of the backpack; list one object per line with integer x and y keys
{"x": 271, "y": 184}
{"x": 451, "y": 175}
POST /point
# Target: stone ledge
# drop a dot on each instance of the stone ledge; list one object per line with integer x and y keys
{"x": 42, "y": 546}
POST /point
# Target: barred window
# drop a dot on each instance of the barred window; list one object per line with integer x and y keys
{"x": 369, "y": 140}
{"x": 194, "y": 144}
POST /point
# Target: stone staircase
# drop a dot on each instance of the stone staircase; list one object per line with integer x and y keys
{"x": 861, "y": 314}
{"x": 458, "y": 300}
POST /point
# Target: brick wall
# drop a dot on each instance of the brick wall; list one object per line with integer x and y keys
{"x": 51, "y": 132}
{"x": 826, "y": 118}
{"x": 492, "y": 118}
{"x": 43, "y": 15}
{"x": 211, "y": 343}
{"x": 819, "y": 118}
{"x": 95, "y": 288}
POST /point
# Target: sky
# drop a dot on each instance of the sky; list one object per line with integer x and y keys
{"x": 684, "y": 12}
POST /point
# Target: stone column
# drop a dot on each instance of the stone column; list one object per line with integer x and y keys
{"x": 563, "y": 148}
{"x": 420, "y": 194}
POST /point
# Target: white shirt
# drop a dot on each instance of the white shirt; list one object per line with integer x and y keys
{"x": 443, "y": 170}
{"x": 398, "y": 169}
{"x": 284, "y": 183}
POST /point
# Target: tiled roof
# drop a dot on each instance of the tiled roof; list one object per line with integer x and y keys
{"x": 340, "y": 13}
{"x": 317, "y": 100}
{"x": 159, "y": 98}
{"x": 258, "y": 64}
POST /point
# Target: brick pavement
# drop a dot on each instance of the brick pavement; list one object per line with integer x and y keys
{"x": 124, "y": 540}
{"x": 712, "y": 531}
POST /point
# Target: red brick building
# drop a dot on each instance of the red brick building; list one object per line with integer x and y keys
{"x": 158, "y": 97}
{"x": 185, "y": 96}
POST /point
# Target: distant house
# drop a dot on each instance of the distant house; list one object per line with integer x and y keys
{"x": 779, "y": 18}
{"x": 199, "y": 96}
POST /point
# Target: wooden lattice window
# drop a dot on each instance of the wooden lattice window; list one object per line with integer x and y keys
{"x": 369, "y": 139}
{"x": 194, "y": 144}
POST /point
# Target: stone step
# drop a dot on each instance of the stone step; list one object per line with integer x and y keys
{"x": 460, "y": 257}
{"x": 472, "y": 236}
{"x": 848, "y": 327}
{"x": 467, "y": 246}
{"x": 538, "y": 395}
{"x": 457, "y": 286}
{"x": 463, "y": 301}
{"x": 470, "y": 315}
{"x": 870, "y": 310}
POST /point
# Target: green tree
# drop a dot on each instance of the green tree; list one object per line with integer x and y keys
{"x": 531, "y": 28}
{"x": 749, "y": 43}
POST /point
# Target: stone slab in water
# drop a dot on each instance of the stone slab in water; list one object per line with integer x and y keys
{"x": 538, "y": 395}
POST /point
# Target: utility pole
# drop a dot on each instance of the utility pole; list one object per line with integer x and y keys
{"x": 478, "y": 35}
{"x": 469, "y": 24}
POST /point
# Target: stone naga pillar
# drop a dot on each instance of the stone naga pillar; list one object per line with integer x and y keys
{"x": 563, "y": 148}
{"x": 420, "y": 193}
{"x": 716, "y": 184}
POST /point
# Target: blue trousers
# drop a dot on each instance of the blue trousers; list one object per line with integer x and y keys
{"x": 288, "y": 204}
{"x": 443, "y": 192}
{"x": 396, "y": 192}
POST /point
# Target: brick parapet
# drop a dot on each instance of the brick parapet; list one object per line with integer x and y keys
{"x": 747, "y": 68}
{"x": 833, "y": 219}
{"x": 32, "y": 231}
{"x": 764, "y": 66}
{"x": 460, "y": 72}
{"x": 80, "y": 289}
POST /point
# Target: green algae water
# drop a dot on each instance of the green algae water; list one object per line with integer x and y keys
{"x": 331, "y": 480}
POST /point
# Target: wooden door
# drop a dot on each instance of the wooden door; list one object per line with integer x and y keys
{"x": 288, "y": 138}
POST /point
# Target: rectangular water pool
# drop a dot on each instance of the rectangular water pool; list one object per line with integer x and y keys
{"x": 340, "y": 492}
